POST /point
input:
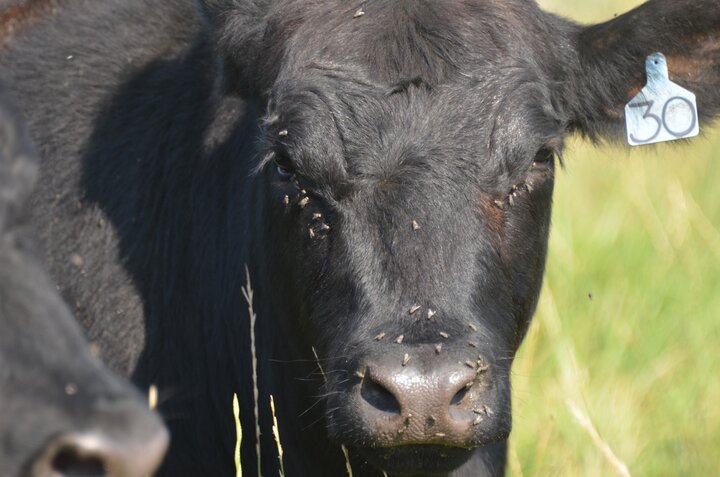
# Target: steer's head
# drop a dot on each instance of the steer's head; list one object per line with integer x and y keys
{"x": 407, "y": 166}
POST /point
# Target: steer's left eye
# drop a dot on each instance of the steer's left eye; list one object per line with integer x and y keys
{"x": 544, "y": 156}
{"x": 285, "y": 167}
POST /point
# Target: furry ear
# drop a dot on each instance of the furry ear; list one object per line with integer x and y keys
{"x": 610, "y": 61}
{"x": 249, "y": 37}
{"x": 18, "y": 163}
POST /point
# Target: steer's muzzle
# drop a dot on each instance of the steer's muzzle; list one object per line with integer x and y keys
{"x": 126, "y": 441}
{"x": 422, "y": 402}
{"x": 408, "y": 406}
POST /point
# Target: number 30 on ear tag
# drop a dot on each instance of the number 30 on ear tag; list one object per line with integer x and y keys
{"x": 662, "y": 111}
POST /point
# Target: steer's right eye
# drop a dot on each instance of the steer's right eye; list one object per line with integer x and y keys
{"x": 285, "y": 167}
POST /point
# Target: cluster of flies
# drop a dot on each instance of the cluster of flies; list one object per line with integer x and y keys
{"x": 515, "y": 191}
{"x": 318, "y": 228}
{"x": 480, "y": 366}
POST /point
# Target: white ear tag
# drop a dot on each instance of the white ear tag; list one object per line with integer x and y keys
{"x": 662, "y": 111}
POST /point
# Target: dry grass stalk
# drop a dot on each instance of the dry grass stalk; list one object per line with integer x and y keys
{"x": 247, "y": 292}
{"x": 276, "y": 433}
{"x": 348, "y": 467}
{"x": 619, "y": 466}
{"x": 513, "y": 460}
{"x": 153, "y": 397}
{"x": 317, "y": 360}
{"x": 238, "y": 433}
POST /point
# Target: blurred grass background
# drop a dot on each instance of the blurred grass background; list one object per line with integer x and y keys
{"x": 628, "y": 326}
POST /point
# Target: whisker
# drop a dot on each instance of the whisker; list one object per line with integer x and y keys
{"x": 293, "y": 361}
{"x": 309, "y": 408}
{"x": 313, "y": 423}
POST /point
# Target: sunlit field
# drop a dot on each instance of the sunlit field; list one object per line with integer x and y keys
{"x": 621, "y": 366}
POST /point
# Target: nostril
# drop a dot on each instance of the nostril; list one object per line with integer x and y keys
{"x": 71, "y": 462}
{"x": 460, "y": 396}
{"x": 462, "y": 402}
{"x": 135, "y": 452}
{"x": 378, "y": 396}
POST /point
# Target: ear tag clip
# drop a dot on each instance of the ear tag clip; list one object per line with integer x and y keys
{"x": 663, "y": 111}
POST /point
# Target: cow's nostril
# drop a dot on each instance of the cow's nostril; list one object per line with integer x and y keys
{"x": 459, "y": 396}
{"x": 69, "y": 462}
{"x": 104, "y": 454}
{"x": 378, "y": 396}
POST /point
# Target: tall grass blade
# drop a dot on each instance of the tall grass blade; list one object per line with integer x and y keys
{"x": 238, "y": 433}
{"x": 247, "y": 292}
{"x": 276, "y": 433}
{"x": 619, "y": 466}
{"x": 152, "y": 397}
{"x": 348, "y": 467}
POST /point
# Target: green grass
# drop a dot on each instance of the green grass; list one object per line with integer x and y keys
{"x": 639, "y": 231}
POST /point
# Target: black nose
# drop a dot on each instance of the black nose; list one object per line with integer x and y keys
{"x": 102, "y": 453}
{"x": 418, "y": 404}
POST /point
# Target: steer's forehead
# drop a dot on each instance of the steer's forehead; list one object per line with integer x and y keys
{"x": 476, "y": 130}
{"x": 402, "y": 39}
{"x": 447, "y": 87}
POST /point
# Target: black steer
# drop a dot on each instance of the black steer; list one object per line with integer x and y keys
{"x": 62, "y": 414}
{"x": 383, "y": 167}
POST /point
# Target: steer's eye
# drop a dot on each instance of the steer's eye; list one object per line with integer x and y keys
{"x": 285, "y": 167}
{"x": 544, "y": 156}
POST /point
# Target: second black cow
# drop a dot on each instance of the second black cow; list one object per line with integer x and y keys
{"x": 384, "y": 169}
{"x": 62, "y": 413}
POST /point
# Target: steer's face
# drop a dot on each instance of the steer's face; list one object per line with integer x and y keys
{"x": 409, "y": 223}
{"x": 410, "y": 226}
{"x": 407, "y": 180}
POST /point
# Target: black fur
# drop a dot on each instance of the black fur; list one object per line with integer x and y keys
{"x": 50, "y": 383}
{"x": 162, "y": 136}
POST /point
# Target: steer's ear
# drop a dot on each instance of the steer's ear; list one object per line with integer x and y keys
{"x": 249, "y": 37}
{"x": 609, "y": 69}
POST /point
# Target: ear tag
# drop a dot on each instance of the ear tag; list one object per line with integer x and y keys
{"x": 662, "y": 111}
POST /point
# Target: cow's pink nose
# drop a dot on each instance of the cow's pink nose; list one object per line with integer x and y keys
{"x": 435, "y": 407}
